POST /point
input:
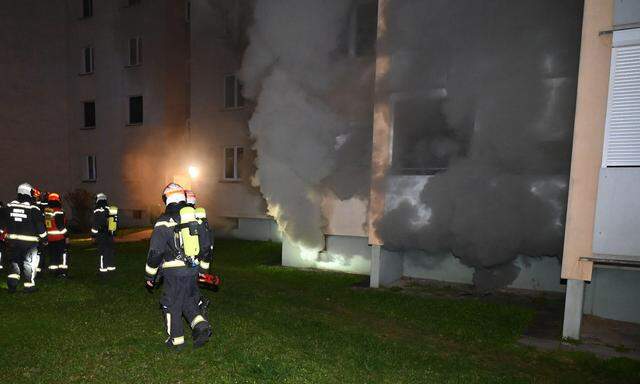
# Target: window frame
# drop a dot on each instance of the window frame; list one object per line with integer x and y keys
{"x": 129, "y": 122}
{"x": 236, "y": 164}
{"x": 84, "y": 115}
{"x": 237, "y": 93}
{"x": 138, "y": 40}
{"x": 83, "y": 68}
{"x": 88, "y": 168}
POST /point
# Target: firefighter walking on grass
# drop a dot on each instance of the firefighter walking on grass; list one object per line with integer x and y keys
{"x": 56, "y": 225}
{"x": 175, "y": 247}
{"x": 26, "y": 237}
{"x": 103, "y": 229}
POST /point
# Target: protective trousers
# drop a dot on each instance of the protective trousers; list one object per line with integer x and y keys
{"x": 180, "y": 298}
{"x": 57, "y": 256}
{"x": 3, "y": 252}
{"x": 23, "y": 259}
{"x": 107, "y": 253}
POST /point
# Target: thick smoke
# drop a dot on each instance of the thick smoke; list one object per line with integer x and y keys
{"x": 483, "y": 95}
{"x": 313, "y": 111}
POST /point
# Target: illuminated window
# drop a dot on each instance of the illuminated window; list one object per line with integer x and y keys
{"x": 89, "y": 112}
{"x": 135, "y": 110}
{"x": 233, "y": 92}
{"x": 135, "y": 51}
{"x": 90, "y": 170}
{"x": 86, "y": 60}
{"x": 232, "y": 161}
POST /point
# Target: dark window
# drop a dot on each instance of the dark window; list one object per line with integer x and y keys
{"x": 89, "y": 114}
{"x": 131, "y": 3}
{"x": 135, "y": 110}
{"x": 90, "y": 168}
{"x": 366, "y": 28}
{"x": 232, "y": 162}
{"x": 423, "y": 139}
{"x": 187, "y": 12}
{"x": 137, "y": 214}
{"x": 135, "y": 51}
{"x": 87, "y": 60}
{"x": 233, "y": 92}
{"x": 87, "y": 8}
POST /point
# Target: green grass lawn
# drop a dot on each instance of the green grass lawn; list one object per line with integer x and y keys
{"x": 273, "y": 324}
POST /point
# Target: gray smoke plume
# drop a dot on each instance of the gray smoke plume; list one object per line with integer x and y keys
{"x": 483, "y": 95}
{"x": 313, "y": 110}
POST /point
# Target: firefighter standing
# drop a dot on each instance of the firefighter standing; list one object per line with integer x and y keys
{"x": 103, "y": 229}
{"x": 175, "y": 248}
{"x": 3, "y": 225}
{"x": 26, "y": 235}
{"x": 41, "y": 202}
{"x": 56, "y": 225}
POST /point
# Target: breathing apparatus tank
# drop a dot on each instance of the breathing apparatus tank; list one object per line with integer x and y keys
{"x": 188, "y": 232}
{"x": 112, "y": 221}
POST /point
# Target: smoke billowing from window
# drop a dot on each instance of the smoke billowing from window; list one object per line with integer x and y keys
{"x": 312, "y": 122}
{"x": 483, "y": 97}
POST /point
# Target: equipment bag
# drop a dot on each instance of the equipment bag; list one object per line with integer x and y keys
{"x": 112, "y": 221}
{"x": 188, "y": 232}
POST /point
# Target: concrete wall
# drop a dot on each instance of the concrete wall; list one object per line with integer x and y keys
{"x": 33, "y": 96}
{"x": 255, "y": 229}
{"x": 613, "y": 294}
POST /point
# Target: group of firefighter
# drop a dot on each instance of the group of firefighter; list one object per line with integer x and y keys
{"x": 34, "y": 238}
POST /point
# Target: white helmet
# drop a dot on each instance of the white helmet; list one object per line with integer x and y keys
{"x": 101, "y": 196}
{"x": 191, "y": 197}
{"x": 173, "y": 193}
{"x": 25, "y": 189}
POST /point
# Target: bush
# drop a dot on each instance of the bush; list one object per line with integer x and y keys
{"x": 81, "y": 203}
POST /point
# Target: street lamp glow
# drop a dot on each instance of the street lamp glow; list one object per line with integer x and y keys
{"x": 194, "y": 171}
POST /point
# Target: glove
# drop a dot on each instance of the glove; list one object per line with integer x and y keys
{"x": 209, "y": 281}
{"x": 149, "y": 286}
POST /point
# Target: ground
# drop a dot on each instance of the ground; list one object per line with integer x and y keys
{"x": 275, "y": 324}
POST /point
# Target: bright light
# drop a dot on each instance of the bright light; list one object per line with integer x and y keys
{"x": 194, "y": 171}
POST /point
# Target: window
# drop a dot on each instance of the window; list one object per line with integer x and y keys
{"x": 90, "y": 173}
{"x": 131, "y": 3}
{"x": 136, "y": 214}
{"x": 622, "y": 133}
{"x": 86, "y": 60}
{"x": 87, "y": 8}
{"x": 233, "y": 92}
{"x": 423, "y": 140}
{"x": 135, "y": 51}
{"x": 89, "y": 112}
{"x": 135, "y": 110}
{"x": 232, "y": 161}
{"x": 187, "y": 12}
{"x": 364, "y": 29}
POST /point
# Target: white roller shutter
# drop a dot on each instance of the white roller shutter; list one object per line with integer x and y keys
{"x": 622, "y": 136}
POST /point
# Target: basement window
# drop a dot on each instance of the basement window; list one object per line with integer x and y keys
{"x": 86, "y": 60}
{"x": 233, "y": 92}
{"x": 89, "y": 113}
{"x": 135, "y": 110}
{"x": 90, "y": 169}
{"x": 135, "y": 51}
{"x": 232, "y": 160}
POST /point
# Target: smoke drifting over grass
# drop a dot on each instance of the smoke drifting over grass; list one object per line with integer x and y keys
{"x": 487, "y": 92}
{"x": 313, "y": 110}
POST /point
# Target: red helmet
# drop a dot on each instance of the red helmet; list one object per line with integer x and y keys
{"x": 54, "y": 197}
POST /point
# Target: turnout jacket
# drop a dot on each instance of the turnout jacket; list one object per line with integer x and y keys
{"x": 55, "y": 223}
{"x": 164, "y": 251}
{"x": 100, "y": 219}
{"x": 24, "y": 221}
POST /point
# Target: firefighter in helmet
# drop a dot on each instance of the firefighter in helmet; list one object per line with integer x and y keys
{"x": 56, "y": 235}
{"x": 26, "y": 236}
{"x": 175, "y": 247}
{"x": 103, "y": 229}
{"x": 3, "y": 226}
{"x": 38, "y": 197}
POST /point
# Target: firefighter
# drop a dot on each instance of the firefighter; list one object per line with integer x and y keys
{"x": 56, "y": 225}
{"x": 3, "y": 225}
{"x": 26, "y": 236}
{"x": 174, "y": 247}
{"x": 105, "y": 219}
{"x": 206, "y": 252}
{"x": 39, "y": 196}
